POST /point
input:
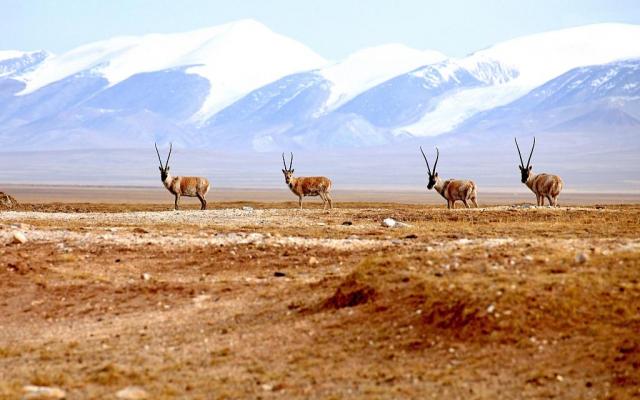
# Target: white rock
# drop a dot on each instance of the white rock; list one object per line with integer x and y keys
{"x": 19, "y": 238}
{"x": 132, "y": 393}
{"x": 491, "y": 309}
{"x": 145, "y": 276}
{"x": 245, "y": 208}
{"x": 313, "y": 261}
{"x": 43, "y": 393}
{"x": 389, "y": 222}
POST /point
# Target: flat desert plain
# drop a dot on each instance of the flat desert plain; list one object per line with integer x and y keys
{"x": 258, "y": 299}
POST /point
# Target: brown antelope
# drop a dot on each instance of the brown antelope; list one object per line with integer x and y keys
{"x": 542, "y": 185}
{"x": 190, "y": 186}
{"x": 307, "y": 185}
{"x": 452, "y": 189}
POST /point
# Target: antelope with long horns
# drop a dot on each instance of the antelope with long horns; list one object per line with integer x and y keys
{"x": 542, "y": 185}
{"x": 452, "y": 189}
{"x": 307, "y": 185}
{"x": 189, "y": 186}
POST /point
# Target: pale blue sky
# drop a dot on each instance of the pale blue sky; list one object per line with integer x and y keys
{"x": 333, "y": 28}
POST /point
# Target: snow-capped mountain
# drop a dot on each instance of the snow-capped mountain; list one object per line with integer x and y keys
{"x": 370, "y": 67}
{"x": 405, "y": 99}
{"x": 304, "y": 109}
{"x": 585, "y": 98}
{"x": 234, "y": 58}
{"x": 240, "y": 85}
{"x": 537, "y": 59}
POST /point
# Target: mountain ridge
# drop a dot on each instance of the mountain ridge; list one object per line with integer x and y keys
{"x": 241, "y": 85}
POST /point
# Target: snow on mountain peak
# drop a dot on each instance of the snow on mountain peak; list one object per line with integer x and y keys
{"x": 543, "y": 56}
{"x": 9, "y": 54}
{"x": 483, "y": 69}
{"x": 371, "y": 66}
{"x": 13, "y": 62}
{"x": 248, "y": 56}
{"x": 235, "y": 57}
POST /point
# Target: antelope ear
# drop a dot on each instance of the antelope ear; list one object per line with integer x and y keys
{"x": 436, "y": 174}
{"x": 292, "y": 170}
{"x": 530, "y": 168}
{"x": 284, "y": 172}
{"x": 168, "y": 168}
{"x": 160, "y": 168}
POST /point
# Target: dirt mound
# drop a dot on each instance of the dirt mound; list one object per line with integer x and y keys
{"x": 350, "y": 294}
{"x": 7, "y": 202}
{"x": 462, "y": 317}
{"x": 399, "y": 297}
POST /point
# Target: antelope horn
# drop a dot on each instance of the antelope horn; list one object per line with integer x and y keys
{"x": 530, "y": 154}
{"x": 157, "y": 152}
{"x": 436, "y": 163}
{"x": 284, "y": 162}
{"x": 291, "y": 162}
{"x": 519, "y": 154}
{"x": 166, "y": 164}
{"x": 425, "y": 160}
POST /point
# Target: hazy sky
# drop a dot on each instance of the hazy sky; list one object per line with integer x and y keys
{"x": 333, "y": 28}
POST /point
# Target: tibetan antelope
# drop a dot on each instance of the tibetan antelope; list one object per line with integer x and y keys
{"x": 452, "y": 189}
{"x": 190, "y": 186}
{"x": 542, "y": 185}
{"x": 307, "y": 185}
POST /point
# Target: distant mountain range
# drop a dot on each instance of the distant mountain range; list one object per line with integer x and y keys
{"x": 242, "y": 86}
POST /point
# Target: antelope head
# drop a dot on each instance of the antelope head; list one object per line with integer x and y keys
{"x": 164, "y": 170}
{"x": 288, "y": 172}
{"x": 433, "y": 175}
{"x": 525, "y": 171}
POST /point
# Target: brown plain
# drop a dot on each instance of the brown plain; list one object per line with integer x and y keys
{"x": 275, "y": 302}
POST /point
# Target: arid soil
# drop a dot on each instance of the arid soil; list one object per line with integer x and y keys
{"x": 269, "y": 301}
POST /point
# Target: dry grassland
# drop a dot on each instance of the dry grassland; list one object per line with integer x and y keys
{"x": 273, "y": 302}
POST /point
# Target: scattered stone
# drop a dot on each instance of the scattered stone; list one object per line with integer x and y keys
{"x": 313, "y": 261}
{"x": 32, "y": 392}
{"x": 18, "y": 238}
{"x": 491, "y": 309}
{"x": 600, "y": 207}
{"x": 279, "y": 274}
{"x": 411, "y": 236}
{"x": 140, "y": 230}
{"x": 581, "y": 258}
{"x": 246, "y": 208}
{"x": 389, "y": 222}
{"x": 392, "y": 223}
{"x": 145, "y": 276}
{"x": 7, "y": 202}
{"x": 347, "y": 223}
{"x": 132, "y": 393}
